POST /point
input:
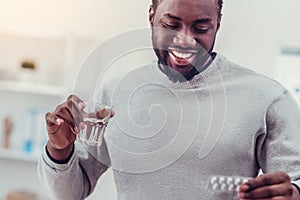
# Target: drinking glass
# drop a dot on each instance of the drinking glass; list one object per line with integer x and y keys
{"x": 95, "y": 118}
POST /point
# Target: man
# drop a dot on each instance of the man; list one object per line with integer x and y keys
{"x": 233, "y": 122}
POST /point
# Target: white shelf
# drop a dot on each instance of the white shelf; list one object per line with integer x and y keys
{"x": 32, "y": 88}
{"x": 35, "y": 34}
{"x": 18, "y": 155}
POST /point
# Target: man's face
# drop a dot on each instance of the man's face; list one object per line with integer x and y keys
{"x": 183, "y": 32}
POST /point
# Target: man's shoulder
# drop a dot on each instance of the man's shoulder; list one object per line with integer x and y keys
{"x": 249, "y": 79}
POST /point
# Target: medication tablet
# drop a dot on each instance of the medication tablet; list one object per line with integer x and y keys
{"x": 228, "y": 184}
{"x": 221, "y": 180}
{"x": 213, "y": 180}
{"x": 229, "y": 180}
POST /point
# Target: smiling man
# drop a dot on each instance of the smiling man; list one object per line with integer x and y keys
{"x": 222, "y": 119}
{"x": 187, "y": 47}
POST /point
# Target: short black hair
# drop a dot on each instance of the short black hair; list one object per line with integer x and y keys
{"x": 155, "y": 3}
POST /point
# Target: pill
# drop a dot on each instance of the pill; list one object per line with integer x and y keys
{"x": 229, "y": 180}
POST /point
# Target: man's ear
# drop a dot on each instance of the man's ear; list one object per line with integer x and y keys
{"x": 219, "y": 23}
{"x": 151, "y": 15}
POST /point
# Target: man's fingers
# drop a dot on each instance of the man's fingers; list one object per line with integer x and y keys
{"x": 103, "y": 113}
{"x": 76, "y": 101}
{"x": 52, "y": 119}
{"x": 267, "y": 186}
{"x": 71, "y": 111}
{"x": 53, "y": 122}
{"x": 112, "y": 113}
{"x": 267, "y": 179}
{"x": 268, "y": 192}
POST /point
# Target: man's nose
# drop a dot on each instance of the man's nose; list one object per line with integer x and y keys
{"x": 184, "y": 40}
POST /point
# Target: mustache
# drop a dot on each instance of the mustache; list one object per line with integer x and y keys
{"x": 193, "y": 50}
{"x": 169, "y": 46}
{"x": 185, "y": 49}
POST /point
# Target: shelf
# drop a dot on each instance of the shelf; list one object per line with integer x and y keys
{"x": 35, "y": 34}
{"x": 18, "y": 155}
{"x": 32, "y": 88}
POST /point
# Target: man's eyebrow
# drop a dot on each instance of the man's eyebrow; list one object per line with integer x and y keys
{"x": 172, "y": 16}
{"x": 198, "y": 21}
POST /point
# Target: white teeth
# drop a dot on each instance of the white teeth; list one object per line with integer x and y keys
{"x": 182, "y": 55}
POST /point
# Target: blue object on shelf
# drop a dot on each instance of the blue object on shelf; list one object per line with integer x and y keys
{"x": 28, "y": 146}
{"x": 28, "y": 143}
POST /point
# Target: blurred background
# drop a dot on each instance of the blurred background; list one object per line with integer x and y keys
{"x": 43, "y": 44}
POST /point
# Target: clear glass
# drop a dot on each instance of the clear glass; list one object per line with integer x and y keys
{"x": 95, "y": 118}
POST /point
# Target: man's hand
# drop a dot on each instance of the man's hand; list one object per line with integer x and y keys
{"x": 275, "y": 186}
{"x": 62, "y": 126}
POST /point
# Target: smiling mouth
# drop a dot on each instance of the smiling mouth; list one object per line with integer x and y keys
{"x": 182, "y": 57}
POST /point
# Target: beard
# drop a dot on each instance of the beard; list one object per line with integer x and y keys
{"x": 172, "y": 74}
{"x": 203, "y": 60}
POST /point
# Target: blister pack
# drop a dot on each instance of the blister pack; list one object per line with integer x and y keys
{"x": 228, "y": 184}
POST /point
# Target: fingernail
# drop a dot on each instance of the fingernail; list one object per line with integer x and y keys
{"x": 80, "y": 105}
{"x": 244, "y": 187}
{"x": 76, "y": 129}
{"x": 113, "y": 113}
{"x": 81, "y": 125}
{"x": 241, "y": 195}
{"x": 59, "y": 121}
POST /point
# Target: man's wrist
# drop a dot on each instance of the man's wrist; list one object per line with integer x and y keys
{"x": 60, "y": 156}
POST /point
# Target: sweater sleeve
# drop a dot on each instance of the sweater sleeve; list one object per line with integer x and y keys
{"x": 281, "y": 149}
{"x": 76, "y": 179}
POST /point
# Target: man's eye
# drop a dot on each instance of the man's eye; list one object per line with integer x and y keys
{"x": 201, "y": 29}
{"x": 170, "y": 25}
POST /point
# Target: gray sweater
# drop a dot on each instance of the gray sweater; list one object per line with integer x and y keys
{"x": 168, "y": 138}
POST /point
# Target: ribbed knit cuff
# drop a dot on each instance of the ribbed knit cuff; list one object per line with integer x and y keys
{"x": 297, "y": 186}
{"x": 60, "y": 161}
{"x": 58, "y": 165}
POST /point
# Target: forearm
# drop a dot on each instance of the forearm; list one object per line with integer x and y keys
{"x": 63, "y": 181}
{"x": 76, "y": 178}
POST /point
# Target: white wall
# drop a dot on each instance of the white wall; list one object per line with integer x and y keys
{"x": 98, "y": 18}
{"x": 252, "y": 31}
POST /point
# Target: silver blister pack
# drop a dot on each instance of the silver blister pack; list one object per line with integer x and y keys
{"x": 228, "y": 184}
